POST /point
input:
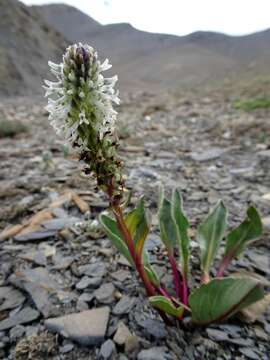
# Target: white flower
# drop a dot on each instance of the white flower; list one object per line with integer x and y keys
{"x": 80, "y": 100}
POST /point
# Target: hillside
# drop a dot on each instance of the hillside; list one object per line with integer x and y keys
{"x": 156, "y": 61}
{"x": 26, "y": 44}
{"x": 30, "y": 36}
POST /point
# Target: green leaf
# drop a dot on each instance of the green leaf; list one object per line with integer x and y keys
{"x": 165, "y": 304}
{"x": 166, "y": 224}
{"x": 152, "y": 275}
{"x": 111, "y": 230}
{"x": 181, "y": 228}
{"x": 222, "y": 298}
{"x": 138, "y": 225}
{"x": 210, "y": 234}
{"x": 249, "y": 230}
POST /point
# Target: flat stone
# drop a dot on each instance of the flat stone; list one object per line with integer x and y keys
{"x": 121, "y": 275}
{"x": 217, "y": 335}
{"x": 40, "y": 286}
{"x": 87, "y": 327}
{"x": 86, "y": 297}
{"x": 122, "y": 334}
{"x": 16, "y": 333}
{"x": 105, "y": 294}
{"x": 210, "y": 154}
{"x": 155, "y": 353}
{"x": 249, "y": 353}
{"x": 86, "y": 282}
{"x": 60, "y": 223}
{"x": 124, "y": 305}
{"x": 154, "y": 328}
{"x": 107, "y": 350}
{"x": 10, "y": 298}
{"x": 260, "y": 261}
{"x": 94, "y": 270}
{"x": 26, "y": 315}
{"x": 144, "y": 172}
{"x": 36, "y": 235}
{"x": 62, "y": 262}
{"x": 152, "y": 242}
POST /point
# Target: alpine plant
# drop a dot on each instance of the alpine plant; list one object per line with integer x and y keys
{"x": 80, "y": 106}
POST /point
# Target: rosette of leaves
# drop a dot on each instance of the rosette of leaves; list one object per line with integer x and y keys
{"x": 216, "y": 298}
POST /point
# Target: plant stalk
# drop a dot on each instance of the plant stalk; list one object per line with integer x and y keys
{"x": 176, "y": 277}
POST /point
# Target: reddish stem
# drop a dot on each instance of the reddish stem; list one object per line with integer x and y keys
{"x": 223, "y": 266}
{"x": 130, "y": 244}
{"x": 176, "y": 277}
{"x": 185, "y": 290}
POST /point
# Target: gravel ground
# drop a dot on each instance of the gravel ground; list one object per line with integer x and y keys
{"x": 65, "y": 293}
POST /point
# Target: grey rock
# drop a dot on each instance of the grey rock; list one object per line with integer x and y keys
{"x": 124, "y": 305}
{"x": 154, "y": 328}
{"x": 87, "y": 327}
{"x": 66, "y": 348}
{"x": 152, "y": 242}
{"x": 94, "y": 270}
{"x": 210, "y": 154}
{"x": 144, "y": 172}
{"x": 217, "y": 335}
{"x": 260, "y": 261}
{"x": 86, "y": 282}
{"x": 155, "y": 353}
{"x": 81, "y": 305}
{"x": 16, "y": 333}
{"x": 37, "y": 235}
{"x": 24, "y": 316}
{"x": 86, "y": 297}
{"x": 10, "y": 298}
{"x": 60, "y": 223}
{"x": 121, "y": 275}
{"x": 107, "y": 350}
{"x": 62, "y": 262}
{"x": 122, "y": 334}
{"x": 40, "y": 286}
{"x": 105, "y": 294}
{"x": 249, "y": 353}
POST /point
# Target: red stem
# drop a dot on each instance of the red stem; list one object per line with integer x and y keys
{"x": 130, "y": 244}
{"x": 176, "y": 277}
{"x": 223, "y": 266}
{"x": 185, "y": 290}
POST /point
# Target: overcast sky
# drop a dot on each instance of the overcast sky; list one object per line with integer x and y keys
{"x": 180, "y": 17}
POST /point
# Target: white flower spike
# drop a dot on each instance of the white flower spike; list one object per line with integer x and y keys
{"x": 80, "y": 106}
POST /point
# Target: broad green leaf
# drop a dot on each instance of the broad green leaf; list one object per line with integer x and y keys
{"x": 181, "y": 228}
{"x": 165, "y": 304}
{"x": 222, "y": 298}
{"x": 111, "y": 229}
{"x": 138, "y": 225}
{"x": 166, "y": 224}
{"x": 249, "y": 230}
{"x": 210, "y": 234}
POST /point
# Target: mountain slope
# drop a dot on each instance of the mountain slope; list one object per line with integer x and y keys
{"x": 149, "y": 60}
{"x": 26, "y": 44}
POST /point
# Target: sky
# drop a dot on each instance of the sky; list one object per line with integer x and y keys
{"x": 179, "y": 17}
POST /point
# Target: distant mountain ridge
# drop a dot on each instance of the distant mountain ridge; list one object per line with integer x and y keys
{"x": 30, "y": 36}
{"x": 144, "y": 59}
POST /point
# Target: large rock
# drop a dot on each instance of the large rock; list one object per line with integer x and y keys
{"x": 87, "y": 327}
{"x": 26, "y": 315}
